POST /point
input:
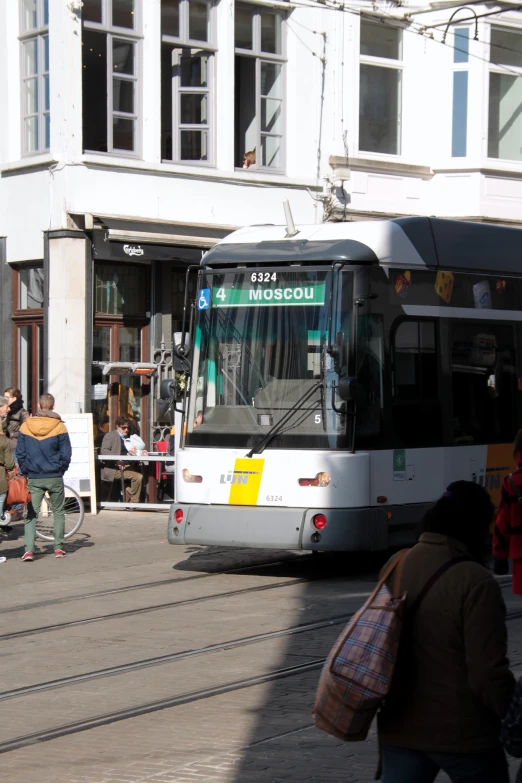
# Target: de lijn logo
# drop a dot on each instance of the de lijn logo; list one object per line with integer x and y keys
{"x": 237, "y": 476}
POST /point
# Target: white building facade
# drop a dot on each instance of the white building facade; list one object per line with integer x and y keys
{"x": 126, "y": 123}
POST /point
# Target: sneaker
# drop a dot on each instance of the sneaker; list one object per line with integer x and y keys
{"x": 3, "y": 559}
{"x": 59, "y": 553}
{"x": 28, "y": 556}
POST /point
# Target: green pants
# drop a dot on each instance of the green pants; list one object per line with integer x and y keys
{"x": 38, "y": 488}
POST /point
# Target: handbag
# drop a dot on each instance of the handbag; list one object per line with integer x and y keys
{"x": 358, "y": 672}
{"x": 17, "y": 489}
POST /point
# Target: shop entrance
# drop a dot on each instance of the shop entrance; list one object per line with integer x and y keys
{"x": 120, "y": 335}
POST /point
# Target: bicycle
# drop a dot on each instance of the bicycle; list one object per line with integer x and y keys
{"x": 74, "y": 514}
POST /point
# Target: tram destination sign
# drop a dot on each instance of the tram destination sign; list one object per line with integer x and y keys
{"x": 278, "y": 296}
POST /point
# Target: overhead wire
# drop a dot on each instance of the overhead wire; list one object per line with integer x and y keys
{"x": 315, "y": 54}
{"x": 409, "y": 27}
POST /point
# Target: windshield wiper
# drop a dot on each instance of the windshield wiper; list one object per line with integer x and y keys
{"x": 263, "y": 442}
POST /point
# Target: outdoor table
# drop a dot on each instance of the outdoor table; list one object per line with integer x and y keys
{"x": 151, "y": 456}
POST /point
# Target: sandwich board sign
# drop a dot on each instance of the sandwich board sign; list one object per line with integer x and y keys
{"x": 80, "y": 474}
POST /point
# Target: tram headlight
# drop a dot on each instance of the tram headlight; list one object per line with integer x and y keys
{"x": 190, "y": 478}
{"x": 321, "y": 480}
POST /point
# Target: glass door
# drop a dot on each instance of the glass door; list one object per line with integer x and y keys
{"x": 119, "y": 395}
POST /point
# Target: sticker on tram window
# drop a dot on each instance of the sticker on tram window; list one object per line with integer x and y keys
{"x": 204, "y": 299}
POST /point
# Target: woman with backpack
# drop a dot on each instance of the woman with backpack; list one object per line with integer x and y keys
{"x": 452, "y": 684}
{"x": 507, "y": 535}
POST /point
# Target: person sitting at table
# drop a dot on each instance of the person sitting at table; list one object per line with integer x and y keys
{"x": 113, "y": 443}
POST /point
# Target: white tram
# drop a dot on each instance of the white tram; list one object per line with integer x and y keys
{"x": 340, "y": 378}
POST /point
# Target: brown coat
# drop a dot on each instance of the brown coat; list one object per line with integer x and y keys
{"x": 13, "y": 422}
{"x": 6, "y": 462}
{"x": 455, "y": 685}
{"x": 111, "y": 444}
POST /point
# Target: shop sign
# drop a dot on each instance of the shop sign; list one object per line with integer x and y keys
{"x": 133, "y": 250}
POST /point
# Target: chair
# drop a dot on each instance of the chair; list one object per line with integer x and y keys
{"x": 162, "y": 477}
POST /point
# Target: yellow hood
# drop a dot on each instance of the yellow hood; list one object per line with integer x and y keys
{"x": 41, "y": 427}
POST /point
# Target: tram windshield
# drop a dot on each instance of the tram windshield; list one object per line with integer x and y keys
{"x": 260, "y": 359}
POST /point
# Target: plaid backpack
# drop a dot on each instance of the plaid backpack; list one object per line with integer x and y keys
{"x": 358, "y": 672}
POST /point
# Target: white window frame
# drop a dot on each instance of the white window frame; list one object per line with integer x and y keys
{"x": 179, "y": 44}
{"x": 266, "y": 57}
{"x": 396, "y": 65}
{"x": 39, "y": 34}
{"x": 508, "y": 70}
{"x": 114, "y": 33}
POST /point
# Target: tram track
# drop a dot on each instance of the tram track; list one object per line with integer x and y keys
{"x": 155, "y": 608}
{"x": 163, "y": 582}
{"x": 172, "y": 657}
{"x": 108, "y": 718}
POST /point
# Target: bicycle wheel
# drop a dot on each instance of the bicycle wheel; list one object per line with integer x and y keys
{"x": 73, "y": 510}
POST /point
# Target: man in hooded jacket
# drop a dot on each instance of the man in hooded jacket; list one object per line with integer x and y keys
{"x": 43, "y": 452}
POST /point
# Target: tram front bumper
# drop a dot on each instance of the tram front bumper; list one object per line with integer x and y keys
{"x": 273, "y": 527}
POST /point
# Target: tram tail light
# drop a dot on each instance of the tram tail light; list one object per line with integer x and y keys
{"x": 179, "y": 516}
{"x": 319, "y": 521}
{"x": 321, "y": 480}
{"x": 190, "y": 478}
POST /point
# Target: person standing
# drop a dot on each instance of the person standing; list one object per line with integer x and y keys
{"x": 4, "y": 407}
{"x": 452, "y": 685}
{"x": 507, "y": 534}
{"x": 16, "y": 415}
{"x": 7, "y": 463}
{"x": 114, "y": 443}
{"x": 44, "y": 453}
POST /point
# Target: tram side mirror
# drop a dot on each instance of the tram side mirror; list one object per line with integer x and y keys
{"x": 347, "y": 388}
{"x": 182, "y": 350}
{"x": 337, "y": 352}
{"x": 168, "y": 389}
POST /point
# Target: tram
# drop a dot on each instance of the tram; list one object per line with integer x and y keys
{"x": 341, "y": 375}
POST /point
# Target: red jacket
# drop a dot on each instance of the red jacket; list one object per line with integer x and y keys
{"x": 507, "y": 535}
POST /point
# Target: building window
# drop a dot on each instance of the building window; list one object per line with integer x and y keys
{"x": 30, "y": 288}
{"x": 110, "y": 76}
{"x": 121, "y": 290}
{"x": 505, "y": 95}
{"x": 34, "y": 38}
{"x": 459, "y": 131}
{"x": 380, "y": 88}
{"x": 28, "y": 332}
{"x": 187, "y": 65}
{"x": 259, "y": 86}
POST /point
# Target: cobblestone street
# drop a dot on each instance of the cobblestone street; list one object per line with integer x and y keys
{"x": 134, "y": 661}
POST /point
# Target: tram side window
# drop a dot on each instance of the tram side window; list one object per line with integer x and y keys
{"x": 370, "y": 362}
{"x": 416, "y": 409}
{"x": 484, "y": 384}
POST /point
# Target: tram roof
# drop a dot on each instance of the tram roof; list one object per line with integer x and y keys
{"x": 414, "y": 241}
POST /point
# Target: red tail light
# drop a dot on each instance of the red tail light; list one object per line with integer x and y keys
{"x": 319, "y": 521}
{"x": 179, "y": 515}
